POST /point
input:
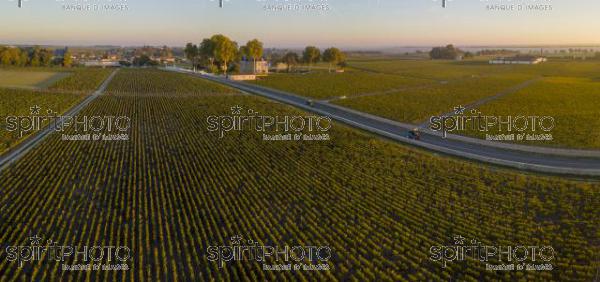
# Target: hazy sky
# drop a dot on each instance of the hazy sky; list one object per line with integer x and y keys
{"x": 348, "y": 23}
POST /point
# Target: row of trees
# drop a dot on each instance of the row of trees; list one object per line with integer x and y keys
{"x": 312, "y": 55}
{"x": 448, "y": 52}
{"x": 34, "y": 57}
{"x": 218, "y": 52}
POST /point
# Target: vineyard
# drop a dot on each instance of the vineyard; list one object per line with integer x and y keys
{"x": 29, "y": 79}
{"x": 152, "y": 82}
{"x": 82, "y": 80}
{"x": 448, "y": 70}
{"x": 176, "y": 188}
{"x": 56, "y": 91}
{"x": 412, "y": 91}
{"x": 15, "y": 102}
{"x": 577, "y": 121}
{"x": 323, "y": 85}
{"x": 418, "y": 104}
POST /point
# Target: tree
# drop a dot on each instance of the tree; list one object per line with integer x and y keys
{"x": 144, "y": 60}
{"x": 225, "y": 50}
{"x": 254, "y": 49}
{"x": 291, "y": 59}
{"x": 243, "y": 52}
{"x": 206, "y": 51}
{"x": 35, "y": 57}
{"x": 445, "y": 53}
{"x": 311, "y": 55}
{"x": 45, "y": 57}
{"x": 191, "y": 53}
{"x": 333, "y": 56}
{"x": 67, "y": 61}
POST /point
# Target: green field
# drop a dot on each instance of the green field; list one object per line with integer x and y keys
{"x": 418, "y": 104}
{"x": 81, "y": 80}
{"x": 29, "y": 79}
{"x": 57, "y": 91}
{"x": 447, "y": 70}
{"x": 17, "y": 102}
{"x": 176, "y": 188}
{"x": 574, "y": 103}
{"x": 412, "y": 91}
{"x": 155, "y": 82}
{"x": 322, "y": 85}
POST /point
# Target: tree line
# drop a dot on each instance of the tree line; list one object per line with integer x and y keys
{"x": 221, "y": 54}
{"x": 33, "y": 57}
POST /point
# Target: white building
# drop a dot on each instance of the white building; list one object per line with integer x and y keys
{"x": 101, "y": 63}
{"x": 518, "y": 60}
{"x": 258, "y": 67}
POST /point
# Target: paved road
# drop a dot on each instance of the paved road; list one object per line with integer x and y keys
{"x": 531, "y": 161}
{"x": 20, "y": 150}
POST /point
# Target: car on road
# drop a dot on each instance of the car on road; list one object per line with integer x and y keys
{"x": 414, "y": 134}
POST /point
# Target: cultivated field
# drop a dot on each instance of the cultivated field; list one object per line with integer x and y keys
{"x": 418, "y": 104}
{"x": 16, "y": 102}
{"x": 412, "y": 91}
{"x": 161, "y": 83}
{"x": 29, "y": 79}
{"x": 56, "y": 95}
{"x": 574, "y": 103}
{"x": 175, "y": 188}
{"x": 82, "y": 80}
{"x": 322, "y": 85}
{"x": 447, "y": 70}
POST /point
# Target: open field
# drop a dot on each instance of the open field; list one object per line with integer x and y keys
{"x": 176, "y": 188}
{"x": 443, "y": 70}
{"x": 29, "y": 79}
{"x": 81, "y": 80}
{"x": 58, "y": 91}
{"x": 417, "y": 105}
{"x": 448, "y": 84}
{"x": 321, "y": 84}
{"x": 155, "y": 82}
{"x": 574, "y": 103}
{"x": 18, "y": 102}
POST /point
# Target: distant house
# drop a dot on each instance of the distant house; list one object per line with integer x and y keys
{"x": 258, "y": 67}
{"x": 101, "y": 63}
{"x": 518, "y": 60}
{"x": 60, "y": 53}
{"x": 167, "y": 60}
{"x": 241, "y": 77}
{"x": 280, "y": 67}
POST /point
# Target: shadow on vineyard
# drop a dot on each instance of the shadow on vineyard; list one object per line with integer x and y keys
{"x": 175, "y": 188}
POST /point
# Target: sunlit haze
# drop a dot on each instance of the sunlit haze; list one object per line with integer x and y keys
{"x": 347, "y": 23}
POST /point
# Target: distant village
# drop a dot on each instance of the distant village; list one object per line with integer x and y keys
{"x": 250, "y": 60}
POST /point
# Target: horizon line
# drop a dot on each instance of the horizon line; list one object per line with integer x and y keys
{"x": 366, "y": 48}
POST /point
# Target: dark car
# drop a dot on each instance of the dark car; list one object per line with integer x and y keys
{"x": 414, "y": 134}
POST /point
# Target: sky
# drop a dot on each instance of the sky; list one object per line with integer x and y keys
{"x": 347, "y": 23}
